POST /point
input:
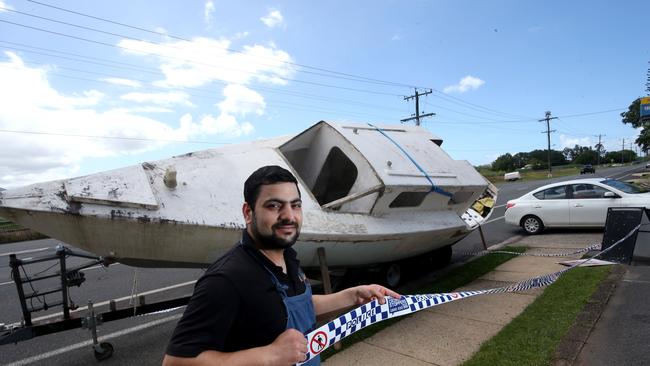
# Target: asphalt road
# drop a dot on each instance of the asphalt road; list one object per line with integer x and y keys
{"x": 141, "y": 341}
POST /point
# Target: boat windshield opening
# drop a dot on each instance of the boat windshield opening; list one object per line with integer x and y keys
{"x": 332, "y": 168}
{"x": 336, "y": 178}
{"x": 625, "y": 187}
{"x": 408, "y": 199}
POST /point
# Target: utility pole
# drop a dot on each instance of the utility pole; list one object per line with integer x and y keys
{"x": 548, "y": 131}
{"x": 622, "y": 151}
{"x": 599, "y": 146}
{"x": 417, "y": 114}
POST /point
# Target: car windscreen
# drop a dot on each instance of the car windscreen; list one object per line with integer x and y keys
{"x": 625, "y": 187}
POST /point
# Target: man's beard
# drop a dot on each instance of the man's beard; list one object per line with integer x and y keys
{"x": 273, "y": 241}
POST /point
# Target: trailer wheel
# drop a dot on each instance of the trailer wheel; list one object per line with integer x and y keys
{"x": 441, "y": 257}
{"x": 392, "y": 274}
{"x": 103, "y": 351}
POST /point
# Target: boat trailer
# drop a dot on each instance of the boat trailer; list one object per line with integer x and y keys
{"x": 69, "y": 277}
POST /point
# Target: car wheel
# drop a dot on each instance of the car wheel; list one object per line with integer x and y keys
{"x": 532, "y": 225}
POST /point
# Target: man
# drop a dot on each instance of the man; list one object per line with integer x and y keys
{"x": 253, "y": 305}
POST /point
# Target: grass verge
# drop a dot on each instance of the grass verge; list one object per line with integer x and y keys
{"x": 532, "y": 337}
{"x": 527, "y": 175}
{"x": 452, "y": 280}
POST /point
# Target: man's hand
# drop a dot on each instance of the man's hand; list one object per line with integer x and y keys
{"x": 367, "y": 293}
{"x": 289, "y": 348}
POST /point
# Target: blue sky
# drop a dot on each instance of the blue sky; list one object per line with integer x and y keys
{"x": 164, "y": 78}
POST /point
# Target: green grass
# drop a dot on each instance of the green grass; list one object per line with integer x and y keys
{"x": 452, "y": 280}
{"x": 8, "y": 225}
{"x": 532, "y": 337}
{"x": 526, "y": 175}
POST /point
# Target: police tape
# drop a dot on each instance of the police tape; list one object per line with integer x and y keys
{"x": 373, "y": 312}
{"x": 533, "y": 254}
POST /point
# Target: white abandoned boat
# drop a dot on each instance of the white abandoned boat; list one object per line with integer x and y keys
{"x": 370, "y": 195}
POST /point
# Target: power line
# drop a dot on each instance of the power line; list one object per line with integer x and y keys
{"x": 168, "y": 45}
{"x": 191, "y": 61}
{"x": 111, "y": 137}
{"x": 481, "y": 117}
{"x": 347, "y": 76}
{"x": 591, "y": 113}
{"x": 132, "y": 67}
{"x": 270, "y": 102}
{"x": 474, "y": 106}
{"x": 360, "y": 78}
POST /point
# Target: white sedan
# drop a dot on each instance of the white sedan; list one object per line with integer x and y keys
{"x": 574, "y": 203}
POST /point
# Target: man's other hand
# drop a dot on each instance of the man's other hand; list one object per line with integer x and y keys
{"x": 289, "y": 348}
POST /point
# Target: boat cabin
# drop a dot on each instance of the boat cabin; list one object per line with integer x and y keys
{"x": 357, "y": 168}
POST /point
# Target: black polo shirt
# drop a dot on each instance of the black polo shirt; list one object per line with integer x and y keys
{"x": 235, "y": 305}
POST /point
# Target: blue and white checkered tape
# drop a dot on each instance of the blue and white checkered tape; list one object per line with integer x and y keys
{"x": 373, "y": 312}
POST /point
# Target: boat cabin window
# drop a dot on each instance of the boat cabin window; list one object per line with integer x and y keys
{"x": 460, "y": 197}
{"x": 336, "y": 178}
{"x": 408, "y": 199}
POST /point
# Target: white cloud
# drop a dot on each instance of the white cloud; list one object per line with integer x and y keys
{"x": 241, "y": 100}
{"x": 5, "y": 5}
{"x": 225, "y": 124}
{"x": 166, "y": 99}
{"x": 465, "y": 84}
{"x": 123, "y": 82}
{"x": 566, "y": 141}
{"x": 48, "y": 124}
{"x": 273, "y": 19}
{"x": 396, "y": 37}
{"x": 241, "y": 35}
{"x": 204, "y": 60}
{"x": 535, "y": 29}
{"x": 208, "y": 11}
{"x": 145, "y": 109}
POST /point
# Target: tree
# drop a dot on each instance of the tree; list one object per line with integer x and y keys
{"x": 571, "y": 154}
{"x": 615, "y": 156}
{"x": 504, "y": 162}
{"x": 587, "y": 157}
{"x": 557, "y": 158}
{"x": 633, "y": 117}
{"x": 521, "y": 159}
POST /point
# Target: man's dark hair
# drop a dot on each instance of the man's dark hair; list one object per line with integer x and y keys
{"x": 269, "y": 174}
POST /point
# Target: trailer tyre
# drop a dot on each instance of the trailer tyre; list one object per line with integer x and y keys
{"x": 103, "y": 351}
{"x": 392, "y": 274}
{"x": 441, "y": 257}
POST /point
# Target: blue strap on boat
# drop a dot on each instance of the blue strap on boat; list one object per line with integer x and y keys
{"x": 434, "y": 188}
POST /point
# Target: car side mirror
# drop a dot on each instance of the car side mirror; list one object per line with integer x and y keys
{"x": 610, "y": 195}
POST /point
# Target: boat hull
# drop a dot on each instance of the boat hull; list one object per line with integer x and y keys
{"x": 165, "y": 243}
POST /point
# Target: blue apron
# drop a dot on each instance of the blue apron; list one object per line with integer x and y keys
{"x": 300, "y": 310}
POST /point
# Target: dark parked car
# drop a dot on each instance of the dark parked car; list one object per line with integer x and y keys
{"x": 588, "y": 168}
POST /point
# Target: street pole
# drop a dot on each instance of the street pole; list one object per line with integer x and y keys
{"x": 548, "y": 131}
{"x": 598, "y": 149}
{"x": 622, "y": 151}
